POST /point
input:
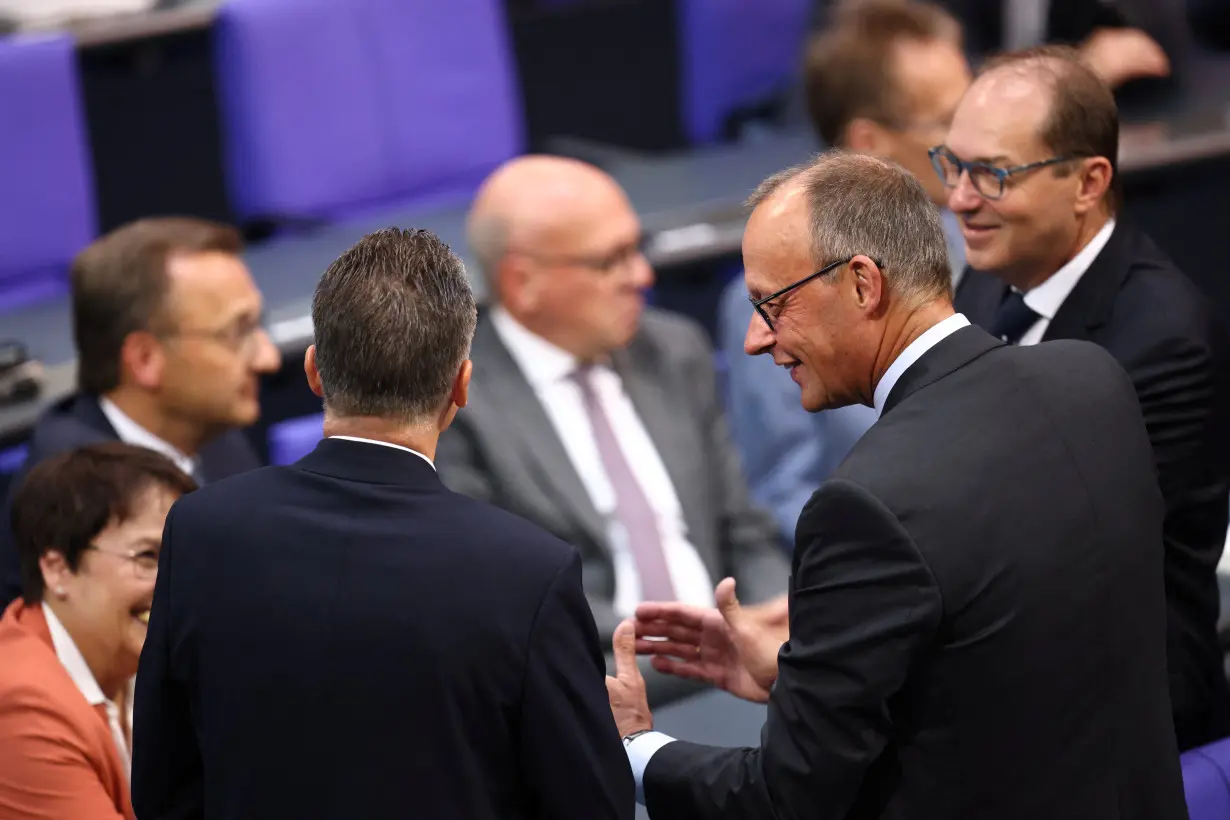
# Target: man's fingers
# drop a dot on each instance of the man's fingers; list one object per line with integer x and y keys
{"x": 727, "y": 601}
{"x": 669, "y": 630}
{"x": 674, "y": 612}
{"x": 624, "y": 645}
{"x": 686, "y": 651}
{"x": 680, "y": 669}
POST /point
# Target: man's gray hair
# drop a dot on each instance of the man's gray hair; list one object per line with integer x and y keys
{"x": 864, "y": 205}
{"x": 393, "y": 318}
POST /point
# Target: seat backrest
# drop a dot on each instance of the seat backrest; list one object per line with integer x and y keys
{"x": 1206, "y": 781}
{"x": 333, "y": 106}
{"x": 47, "y": 210}
{"x": 735, "y": 54}
{"x": 293, "y": 439}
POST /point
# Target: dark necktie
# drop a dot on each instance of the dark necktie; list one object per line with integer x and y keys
{"x": 632, "y": 507}
{"x": 1013, "y": 318}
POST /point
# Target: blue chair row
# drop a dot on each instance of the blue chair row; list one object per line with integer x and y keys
{"x": 1206, "y": 781}
{"x": 333, "y": 108}
{"x": 46, "y": 186}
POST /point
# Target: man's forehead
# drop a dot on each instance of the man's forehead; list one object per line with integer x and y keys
{"x": 211, "y": 283}
{"x": 998, "y": 117}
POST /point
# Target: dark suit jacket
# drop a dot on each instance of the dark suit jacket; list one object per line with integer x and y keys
{"x": 1137, "y": 305}
{"x": 76, "y": 421}
{"x": 503, "y": 449}
{"x": 345, "y": 638}
{"x": 977, "y": 616}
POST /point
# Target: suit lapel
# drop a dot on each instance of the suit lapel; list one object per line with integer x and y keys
{"x": 527, "y": 421}
{"x": 1090, "y": 303}
{"x": 978, "y": 297}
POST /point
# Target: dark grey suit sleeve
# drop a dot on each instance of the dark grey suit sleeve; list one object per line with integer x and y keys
{"x": 753, "y": 548}
{"x": 573, "y": 759}
{"x": 166, "y": 763}
{"x": 460, "y": 463}
{"x": 864, "y": 607}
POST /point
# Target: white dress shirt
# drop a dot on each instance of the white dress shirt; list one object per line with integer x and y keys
{"x": 386, "y": 444}
{"x": 549, "y": 371}
{"x": 1046, "y": 299}
{"x": 645, "y": 746}
{"x": 74, "y": 662}
{"x": 132, "y": 433}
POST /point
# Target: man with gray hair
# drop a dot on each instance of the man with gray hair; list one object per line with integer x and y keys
{"x": 977, "y": 622}
{"x": 345, "y": 637}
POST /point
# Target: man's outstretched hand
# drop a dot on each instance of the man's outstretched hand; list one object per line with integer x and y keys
{"x": 732, "y": 647}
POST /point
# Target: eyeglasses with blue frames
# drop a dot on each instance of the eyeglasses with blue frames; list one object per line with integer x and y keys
{"x": 988, "y": 180}
{"x": 759, "y": 304}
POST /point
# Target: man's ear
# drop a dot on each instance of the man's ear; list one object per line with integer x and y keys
{"x": 313, "y": 375}
{"x": 1094, "y": 178}
{"x": 868, "y": 283}
{"x": 866, "y": 136}
{"x": 144, "y": 358}
{"x": 459, "y": 396}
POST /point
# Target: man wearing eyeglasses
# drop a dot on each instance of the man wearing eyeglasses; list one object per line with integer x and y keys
{"x": 1031, "y": 166}
{"x": 167, "y": 322}
{"x": 882, "y": 79}
{"x": 593, "y": 416}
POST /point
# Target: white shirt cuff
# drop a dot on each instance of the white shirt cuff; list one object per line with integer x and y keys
{"x": 639, "y": 752}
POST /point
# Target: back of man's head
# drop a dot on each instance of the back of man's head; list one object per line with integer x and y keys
{"x": 120, "y": 286}
{"x": 394, "y": 317}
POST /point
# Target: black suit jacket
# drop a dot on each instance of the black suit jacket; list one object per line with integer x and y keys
{"x": 76, "y": 421}
{"x": 1137, "y": 305}
{"x": 345, "y": 638}
{"x": 977, "y": 616}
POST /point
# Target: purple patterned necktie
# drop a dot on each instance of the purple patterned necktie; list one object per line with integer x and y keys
{"x": 632, "y": 507}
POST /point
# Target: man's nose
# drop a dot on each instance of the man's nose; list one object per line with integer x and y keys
{"x": 963, "y": 197}
{"x": 759, "y": 338}
{"x": 268, "y": 359}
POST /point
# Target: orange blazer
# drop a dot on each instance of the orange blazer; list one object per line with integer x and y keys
{"x": 58, "y": 760}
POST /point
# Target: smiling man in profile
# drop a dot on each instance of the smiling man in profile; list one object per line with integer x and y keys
{"x": 970, "y": 618}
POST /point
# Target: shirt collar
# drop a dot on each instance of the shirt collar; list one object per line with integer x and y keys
{"x": 386, "y": 444}
{"x": 1046, "y": 299}
{"x": 132, "y": 433}
{"x": 542, "y": 362}
{"x": 72, "y": 659}
{"x": 913, "y": 352}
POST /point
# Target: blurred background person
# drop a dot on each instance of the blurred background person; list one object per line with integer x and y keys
{"x": 1031, "y": 161}
{"x": 593, "y": 416}
{"x": 1121, "y": 40}
{"x": 88, "y": 526}
{"x": 883, "y": 79}
{"x": 400, "y": 647}
{"x": 167, "y": 325}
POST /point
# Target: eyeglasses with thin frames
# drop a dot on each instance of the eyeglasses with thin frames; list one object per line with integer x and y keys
{"x": 242, "y": 337}
{"x": 144, "y": 562}
{"x": 758, "y": 304}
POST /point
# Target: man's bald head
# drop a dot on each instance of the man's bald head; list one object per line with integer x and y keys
{"x": 559, "y": 244}
{"x": 529, "y": 199}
